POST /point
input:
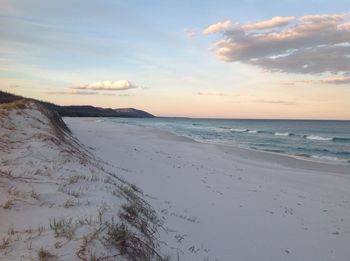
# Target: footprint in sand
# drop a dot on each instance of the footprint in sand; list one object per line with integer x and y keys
{"x": 289, "y": 211}
{"x": 179, "y": 238}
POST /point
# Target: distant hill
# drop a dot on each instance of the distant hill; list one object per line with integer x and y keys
{"x": 81, "y": 110}
{"x": 131, "y": 112}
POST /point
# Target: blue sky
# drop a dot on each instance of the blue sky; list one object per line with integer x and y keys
{"x": 48, "y": 47}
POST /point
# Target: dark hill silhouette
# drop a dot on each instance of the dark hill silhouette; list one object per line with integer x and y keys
{"x": 81, "y": 110}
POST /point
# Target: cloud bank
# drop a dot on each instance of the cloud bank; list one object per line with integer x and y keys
{"x": 106, "y": 86}
{"x": 273, "y": 22}
{"x": 311, "y": 44}
{"x": 331, "y": 80}
{"x": 93, "y": 88}
{"x": 217, "y": 27}
{"x": 336, "y": 80}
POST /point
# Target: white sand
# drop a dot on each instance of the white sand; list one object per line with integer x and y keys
{"x": 229, "y": 204}
{"x": 216, "y": 202}
{"x": 58, "y": 201}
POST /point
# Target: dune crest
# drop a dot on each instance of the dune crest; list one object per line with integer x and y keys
{"x": 59, "y": 202}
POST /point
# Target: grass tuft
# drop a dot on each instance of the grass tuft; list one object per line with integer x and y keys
{"x": 129, "y": 244}
{"x": 34, "y": 194}
{"x": 19, "y": 104}
{"x": 5, "y": 243}
{"x": 44, "y": 255}
{"x": 8, "y": 204}
{"x": 62, "y": 227}
{"x": 69, "y": 203}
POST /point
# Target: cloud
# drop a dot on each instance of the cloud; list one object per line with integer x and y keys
{"x": 312, "y": 44}
{"x": 337, "y": 80}
{"x": 214, "y": 28}
{"x": 311, "y": 60}
{"x": 106, "y": 86}
{"x": 288, "y": 103}
{"x": 331, "y": 80}
{"x": 226, "y": 25}
{"x": 276, "y": 21}
{"x": 323, "y": 18}
{"x": 211, "y": 93}
{"x": 92, "y": 88}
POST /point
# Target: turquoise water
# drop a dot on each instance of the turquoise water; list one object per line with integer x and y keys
{"x": 322, "y": 140}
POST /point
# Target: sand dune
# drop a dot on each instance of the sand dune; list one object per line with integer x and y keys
{"x": 59, "y": 202}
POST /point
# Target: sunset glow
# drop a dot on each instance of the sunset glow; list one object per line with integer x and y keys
{"x": 233, "y": 59}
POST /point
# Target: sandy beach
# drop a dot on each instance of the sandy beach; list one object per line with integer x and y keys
{"x": 175, "y": 130}
{"x": 224, "y": 203}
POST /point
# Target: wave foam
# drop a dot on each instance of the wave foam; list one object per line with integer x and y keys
{"x": 320, "y": 138}
{"x": 239, "y": 130}
{"x": 328, "y": 158}
{"x": 283, "y": 134}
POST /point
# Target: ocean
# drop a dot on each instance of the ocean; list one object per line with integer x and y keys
{"x": 312, "y": 139}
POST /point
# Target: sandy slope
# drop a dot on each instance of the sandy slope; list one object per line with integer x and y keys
{"x": 59, "y": 202}
{"x": 222, "y": 204}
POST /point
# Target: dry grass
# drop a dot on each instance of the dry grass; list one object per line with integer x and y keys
{"x": 130, "y": 245}
{"x": 59, "y": 128}
{"x": 34, "y": 194}
{"x": 69, "y": 203}
{"x": 44, "y": 255}
{"x": 70, "y": 192}
{"x": 62, "y": 227}
{"x": 19, "y": 104}
{"x": 5, "y": 243}
{"x": 87, "y": 240}
{"x": 73, "y": 180}
{"x": 8, "y": 204}
{"x": 3, "y": 113}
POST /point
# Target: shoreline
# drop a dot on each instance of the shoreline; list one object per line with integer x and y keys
{"x": 285, "y": 159}
{"x": 333, "y": 160}
{"x": 288, "y": 160}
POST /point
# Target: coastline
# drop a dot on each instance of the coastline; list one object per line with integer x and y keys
{"x": 288, "y": 160}
{"x": 284, "y": 159}
{"x": 315, "y": 146}
{"x": 248, "y": 199}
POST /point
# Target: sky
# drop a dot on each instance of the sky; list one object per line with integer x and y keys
{"x": 214, "y": 59}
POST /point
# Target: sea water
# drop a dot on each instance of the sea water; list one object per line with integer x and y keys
{"x": 313, "y": 139}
